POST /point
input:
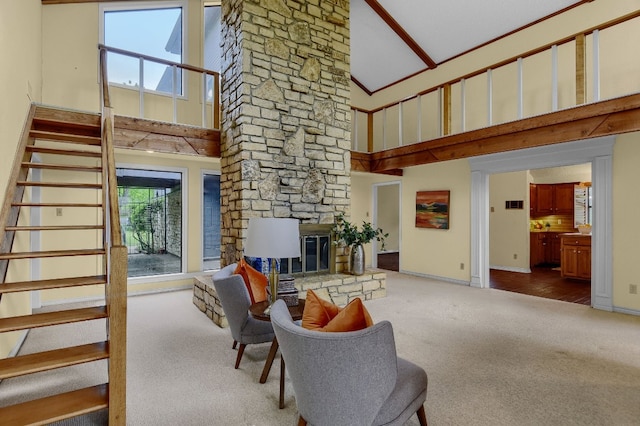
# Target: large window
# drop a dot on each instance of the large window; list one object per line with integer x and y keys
{"x": 212, "y": 43}
{"x": 210, "y": 221}
{"x": 153, "y": 29}
{"x": 151, "y": 217}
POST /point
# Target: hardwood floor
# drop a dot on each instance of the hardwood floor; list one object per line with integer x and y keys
{"x": 389, "y": 261}
{"x": 542, "y": 282}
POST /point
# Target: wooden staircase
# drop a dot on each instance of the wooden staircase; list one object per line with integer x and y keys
{"x": 64, "y": 165}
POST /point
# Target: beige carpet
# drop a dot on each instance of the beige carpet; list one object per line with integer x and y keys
{"x": 493, "y": 358}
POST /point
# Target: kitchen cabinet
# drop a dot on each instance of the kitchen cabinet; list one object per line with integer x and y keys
{"x": 551, "y": 199}
{"x": 544, "y": 248}
{"x": 576, "y": 256}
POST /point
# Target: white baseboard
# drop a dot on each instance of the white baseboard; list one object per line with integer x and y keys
{"x": 511, "y": 269}
{"x": 435, "y": 277}
{"x": 16, "y": 348}
{"x": 627, "y": 311}
{"x": 18, "y": 344}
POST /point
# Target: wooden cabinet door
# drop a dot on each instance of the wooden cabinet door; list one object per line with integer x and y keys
{"x": 544, "y": 199}
{"x": 533, "y": 199}
{"x": 537, "y": 249}
{"x": 563, "y": 198}
{"x": 555, "y": 248}
{"x": 583, "y": 262}
{"x": 569, "y": 261}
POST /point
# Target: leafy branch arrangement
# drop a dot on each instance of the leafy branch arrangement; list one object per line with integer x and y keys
{"x": 350, "y": 235}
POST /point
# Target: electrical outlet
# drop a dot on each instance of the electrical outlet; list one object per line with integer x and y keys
{"x": 462, "y": 266}
{"x": 559, "y": 221}
{"x": 58, "y": 211}
{"x": 633, "y": 289}
{"x": 515, "y": 256}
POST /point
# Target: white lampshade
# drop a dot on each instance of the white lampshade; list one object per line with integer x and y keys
{"x": 273, "y": 238}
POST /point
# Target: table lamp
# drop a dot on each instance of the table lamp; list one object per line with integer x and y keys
{"x": 273, "y": 238}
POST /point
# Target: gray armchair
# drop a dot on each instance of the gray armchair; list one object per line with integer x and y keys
{"x": 352, "y": 378}
{"x": 235, "y": 301}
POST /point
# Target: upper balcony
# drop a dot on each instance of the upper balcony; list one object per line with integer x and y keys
{"x": 581, "y": 86}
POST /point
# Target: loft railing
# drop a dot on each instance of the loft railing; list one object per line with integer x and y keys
{"x": 443, "y": 109}
{"x": 115, "y": 260}
{"x": 190, "y": 96}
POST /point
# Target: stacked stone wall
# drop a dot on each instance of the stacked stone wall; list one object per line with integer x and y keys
{"x": 286, "y": 125}
{"x": 340, "y": 289}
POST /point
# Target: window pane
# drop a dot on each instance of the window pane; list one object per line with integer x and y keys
{"x": 153, "y": 32}
{"x": 212, "y": 44}
{"x": 151, "y": 217}
{"x": 211, "y": 222}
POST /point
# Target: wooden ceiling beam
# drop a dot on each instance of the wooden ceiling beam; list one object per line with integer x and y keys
{"x": 395, "y": 26}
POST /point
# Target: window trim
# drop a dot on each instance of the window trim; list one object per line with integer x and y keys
{"x": 185, "y": 219}
{"x": 204, "y": 172}
{"x": 148, "y": 5}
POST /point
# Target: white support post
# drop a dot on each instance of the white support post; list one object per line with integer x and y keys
{"x": 174, "y": 92}
{"x": 354, "y": 142}
{"x": 489, "y": 97}
{"x": 520, "y": 90}
{"x": 384, "y": 128}
{"x": 204, "y": 99}
{"x": 596, "y": 66}
{"x": 141, "y": 86}
{"x": 400, "y": 124}
{"x": 463, "y": 103}
{"x": 554, "y": 77}
{"x": 419, "y": 120}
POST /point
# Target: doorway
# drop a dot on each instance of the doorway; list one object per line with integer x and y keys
{"x": 525, "y": 236}
{"x": 386, "y": 215}
{"x": 598, "y": 152}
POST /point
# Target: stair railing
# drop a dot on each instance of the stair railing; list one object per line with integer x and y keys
{"x": 115, "y": 261}
{"x": 209, "y": 87}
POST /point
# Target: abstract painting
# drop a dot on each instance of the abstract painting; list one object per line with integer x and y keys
{"x": 432, "y": 209}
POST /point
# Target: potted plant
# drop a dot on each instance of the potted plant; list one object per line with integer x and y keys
{"x": 354, "y": 238}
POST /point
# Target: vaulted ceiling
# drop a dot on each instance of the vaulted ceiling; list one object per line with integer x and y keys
{"x": 392, "y": 40}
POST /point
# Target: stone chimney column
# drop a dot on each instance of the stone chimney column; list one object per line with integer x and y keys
{"x": 286, "y": 117}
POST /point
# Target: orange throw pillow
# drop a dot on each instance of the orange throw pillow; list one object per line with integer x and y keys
{"x": 255, "y": 281}
{"x": 353, "y": 317}
{"x": 321, "y": 315}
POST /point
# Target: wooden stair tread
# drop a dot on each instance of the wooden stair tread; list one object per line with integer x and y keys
{"x": 56, "y": 204}
{"x": 61, "y": 184}
{"x": 52, "y": 318}
{"x": 49, "y": 360}
{"x": 66, "y": 137}
{"x": 53, "y": 124}
{"x": 53, "y": 227}
{"x": 68, "y": 167}
{"x": 55, "y": 151}
{"x": 57, "y": 407}
{"x": 51, "y": 253}
{"x": 52, "y": 283}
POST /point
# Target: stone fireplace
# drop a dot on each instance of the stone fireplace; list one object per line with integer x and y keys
{"x": 286, "y": 124}
{"x": 286, "y": 138}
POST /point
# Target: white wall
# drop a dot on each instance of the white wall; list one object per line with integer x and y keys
{"x": 20, "y": 76}
{"x": 509, "y": 229}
